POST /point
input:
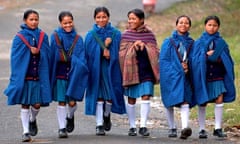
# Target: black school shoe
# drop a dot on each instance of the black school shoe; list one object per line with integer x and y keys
{"x": 100, "y": 131}
{"x": 132, "y": 132}
{"x": 33, "y": 129}
{"x": 219, "y": 133}
{"x": 172, "y": 133}
{"x": 203, "y": 134}
{"x": 26, "y": 137}
{"x": 185, "y": 133}
{"x": 70, "y": 124}
{"x": 143, "y": 131}
{"x": 107, "y": 122}
{"x": 62, "y": 133}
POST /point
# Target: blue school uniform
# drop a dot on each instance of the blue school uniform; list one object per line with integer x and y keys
{"x": 105, "y": 80}
{"x": 29, "y": 84}
{"x": 67, "y": 68}
{"x": 210, "y": 80}
{"x": 175, "y": 85}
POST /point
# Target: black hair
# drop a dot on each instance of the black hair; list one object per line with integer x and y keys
{"x": 212, "y": 17}
{"x": 63, "y": 14}
{"x": 101, "y": 9}
{"x": 28, "y": 12}
{"x": 138, "y": 12}
{"x": 189, "y": 20}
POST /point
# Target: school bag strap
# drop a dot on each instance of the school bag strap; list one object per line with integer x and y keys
{"x": 100, "y": 42}
{"x": 27, "y": 43}
{"x": 63, "y": 55}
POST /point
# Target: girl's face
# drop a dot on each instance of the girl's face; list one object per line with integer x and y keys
{"x": 183, "y": 25}
{"x": 32, "y": 21}
{"x": 134, "y": 22}
{"x": 211, "y": 27}
{"x": 101, "y": 19}
{"x": 67, "y": 23}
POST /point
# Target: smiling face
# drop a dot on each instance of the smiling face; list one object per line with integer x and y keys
{"x": 183, "y": 25}
{"x": 32, "y": 21}
{"x": 134, "y": 22}
{"x": 211, "y": 26}
{"x": 101, "y": 19}
{"x": 67, "y": 23}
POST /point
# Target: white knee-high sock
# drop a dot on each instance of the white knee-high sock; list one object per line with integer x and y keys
{"x": 71, "y": 111}
{"x": 170, "y": 117}
{"x": 61, "y": 115}
{"x": 108, "y": 107}
{"x": 34, "y": 113}
{"x": 25, "y": 114}
{"x": 218, "y": 115}
{"x": 99, "y": 113}
{"x": 131, "y": 115}
{"x": 201, "y": 117}
{"x": 184, "y": 115}
{"x": 144, "y": 111}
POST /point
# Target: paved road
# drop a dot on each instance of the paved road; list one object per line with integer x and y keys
{"x": 10, "y": 123}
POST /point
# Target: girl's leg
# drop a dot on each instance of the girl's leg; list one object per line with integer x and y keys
{"x": 145, "y": 108}
{"x": 218, "y": 111}
{"x": 131, "y": 116}
{"x": 99, "y": 118}
{"x": 171, "y": 123}
{"x": 201, "y": 117}
{"x": 186, "y": 131}
{"x": 61, "y": 115}
{"x": 72, "y": 107}
{"x": 107, "y": 115}
{"x": 25, "y": 114}
{"x": 33, "y": 128}
{"x": 184, "y": 115}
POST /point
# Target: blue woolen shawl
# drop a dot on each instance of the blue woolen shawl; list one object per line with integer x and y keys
{"x": 78, "y": 75}
{"x": 93, "y": 55}
{"x": 198, "y": 64}
{"x": 175, "y": 88}
{"x": 20, "y": 57}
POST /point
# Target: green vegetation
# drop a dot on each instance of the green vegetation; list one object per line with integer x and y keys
{"x": 228, "y": 10}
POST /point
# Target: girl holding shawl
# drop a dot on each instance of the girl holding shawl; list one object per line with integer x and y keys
{"x": 174, "y": 75}
{"x": 29, "y": 80}
{"x": 68, "y": 71}
{"x": 104, "y": 91}
{"x": 213, "y": 75}
{"x": 139, "y": 65}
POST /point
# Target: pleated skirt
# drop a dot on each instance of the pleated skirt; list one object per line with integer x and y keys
{"x": 139, "y": 90}
{"x": 31, "y": 93}
{"x": 60, "y": 90}
{"x": 215, "y": 88}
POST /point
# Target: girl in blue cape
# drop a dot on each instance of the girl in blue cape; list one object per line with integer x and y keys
{"x": 29, "y": 80}
{"x": 104, "y": 91}
{"x": 69, "y": 71}
{"x": 175, "y": 82}
{"x": 213, "y": 75}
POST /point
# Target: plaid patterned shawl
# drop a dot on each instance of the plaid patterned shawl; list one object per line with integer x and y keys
{"x": 127, "y": 54}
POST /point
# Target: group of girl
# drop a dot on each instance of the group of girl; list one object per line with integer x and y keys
{"x": 109, "y": 65}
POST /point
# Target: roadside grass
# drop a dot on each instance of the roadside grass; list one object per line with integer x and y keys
{"x": 163, "y": 24}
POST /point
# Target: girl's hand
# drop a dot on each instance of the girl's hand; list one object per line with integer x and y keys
{"x": 139, "y": 45}
{"x": 34, "y": 50}
{"x": 210, "y": 52}
{"x": 106, "y": 53}
{"x": 108, "y": 41}
{"x": 185, "y": 67}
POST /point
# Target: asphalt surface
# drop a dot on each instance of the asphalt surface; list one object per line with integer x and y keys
{"x": 84, "y": 133}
